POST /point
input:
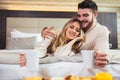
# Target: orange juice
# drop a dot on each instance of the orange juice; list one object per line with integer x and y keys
{"x": 103, "y": 76}
{"x": 32, "y": 78}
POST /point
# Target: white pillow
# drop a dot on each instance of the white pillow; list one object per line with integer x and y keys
{"x": 18, "y": 34}
{"x": 21, "y": 43}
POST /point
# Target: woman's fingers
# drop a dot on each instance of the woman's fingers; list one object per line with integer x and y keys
{"x": 22, "y": 60}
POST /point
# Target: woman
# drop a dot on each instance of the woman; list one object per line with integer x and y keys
{"x": 66, "y": 43}
{"x": 70, "y": 37}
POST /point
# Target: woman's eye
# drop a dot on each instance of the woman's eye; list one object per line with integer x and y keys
{"x": 71, "y": 27}
{"x": 78, "y": 30}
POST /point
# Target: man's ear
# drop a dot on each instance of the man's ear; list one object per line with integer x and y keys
{"x": 95, "y": 14}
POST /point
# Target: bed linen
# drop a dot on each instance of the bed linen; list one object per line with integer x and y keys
{"x": 58, "y": 68}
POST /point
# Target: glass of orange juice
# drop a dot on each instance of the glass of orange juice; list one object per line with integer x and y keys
{"x": 103, "y": 76}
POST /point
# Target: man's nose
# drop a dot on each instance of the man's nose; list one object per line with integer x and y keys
{"x": 80, "y": 19}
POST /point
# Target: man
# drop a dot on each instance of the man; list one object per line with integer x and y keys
{"x": 96, "y": 34}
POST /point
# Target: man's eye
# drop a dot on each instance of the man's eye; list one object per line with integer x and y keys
{"x": 78, "y": 15}
{"x": 85, "y": 15}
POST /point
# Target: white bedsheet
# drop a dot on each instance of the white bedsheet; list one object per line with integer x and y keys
{"x": 56, "y": 69}
{"x": 59, "y": 69}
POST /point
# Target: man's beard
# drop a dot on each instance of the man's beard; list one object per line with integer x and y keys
{"x": 89, "y": 25}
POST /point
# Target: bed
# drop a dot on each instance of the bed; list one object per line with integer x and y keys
{"x": 53, "y": 67}
{"x": 24, "y": 27}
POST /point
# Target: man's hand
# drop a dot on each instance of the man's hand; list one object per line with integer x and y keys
{"x": 47, "y": 32}
{"x": 101, "y": 58}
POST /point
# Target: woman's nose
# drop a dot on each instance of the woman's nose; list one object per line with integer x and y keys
{"x": 73, "y": 31}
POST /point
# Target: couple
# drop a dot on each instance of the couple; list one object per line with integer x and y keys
{"x": 96, "y": 35}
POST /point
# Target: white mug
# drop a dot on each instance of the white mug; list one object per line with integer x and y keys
{"x": 32, "y": 60}
{"x": 87, "y": 57}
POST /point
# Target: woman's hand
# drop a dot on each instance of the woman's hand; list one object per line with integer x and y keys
{"x": 74, "y": 40}
{"x": 22, "y": 60}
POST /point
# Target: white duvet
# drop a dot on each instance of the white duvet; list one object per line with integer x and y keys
{"x": 50, "y": 66}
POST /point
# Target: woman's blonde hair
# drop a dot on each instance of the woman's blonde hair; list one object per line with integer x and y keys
{"x": 60, "y": 40}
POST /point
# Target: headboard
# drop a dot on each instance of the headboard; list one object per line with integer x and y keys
{"x": 105, "y": 18}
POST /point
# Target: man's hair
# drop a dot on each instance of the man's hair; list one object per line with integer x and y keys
{"x": 88, "y": 4}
